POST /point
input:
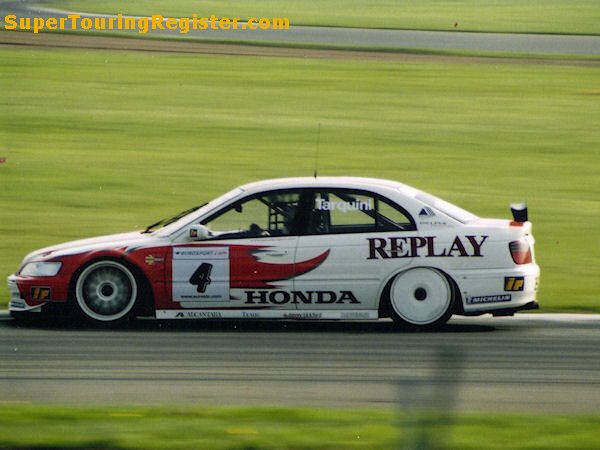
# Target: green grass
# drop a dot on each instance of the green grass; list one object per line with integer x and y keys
{"x": 27, "y": 426}
{"x": 100, "y": 142}
{"x": 529, "y": 16}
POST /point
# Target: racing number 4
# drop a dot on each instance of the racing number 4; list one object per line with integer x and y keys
{"x": 201, "y": 277}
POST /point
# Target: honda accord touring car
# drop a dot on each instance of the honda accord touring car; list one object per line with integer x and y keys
{"x": 296, "y": 248}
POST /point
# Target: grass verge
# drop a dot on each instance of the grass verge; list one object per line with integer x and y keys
{"x": 99, "y": 142}
{"x": 530, "y": 16}
{"x": 25, "y": 426}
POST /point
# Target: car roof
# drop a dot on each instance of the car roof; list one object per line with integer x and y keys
{"x": 369, "y": 184}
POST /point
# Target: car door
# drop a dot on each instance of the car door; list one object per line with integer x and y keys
{"x": 345, "y": 223}
{"x": 247, "y": 255}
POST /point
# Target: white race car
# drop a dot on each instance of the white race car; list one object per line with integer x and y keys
{"x": 296, "y": 248}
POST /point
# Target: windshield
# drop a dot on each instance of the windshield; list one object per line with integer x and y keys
{"x": 176, "y": 217}
{"x": 175, "y": 223}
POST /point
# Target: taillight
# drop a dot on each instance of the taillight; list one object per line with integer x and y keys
{"x": 520, "y": 251}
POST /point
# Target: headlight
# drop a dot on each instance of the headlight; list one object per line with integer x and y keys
{"x": 41, "y": 269}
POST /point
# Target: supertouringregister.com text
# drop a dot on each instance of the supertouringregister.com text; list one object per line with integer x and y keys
{"x": 142, "y": 25}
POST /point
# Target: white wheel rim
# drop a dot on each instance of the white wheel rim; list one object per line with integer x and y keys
{"x": 106, "y": 291}
{"x": 420, "y": 296}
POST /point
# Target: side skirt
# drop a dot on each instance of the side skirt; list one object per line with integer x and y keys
{"x": 269, "y": 314}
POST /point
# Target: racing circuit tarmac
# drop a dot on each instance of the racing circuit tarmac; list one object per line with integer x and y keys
{"x": 360, "y": 37}
{"x": 529, "y": 363}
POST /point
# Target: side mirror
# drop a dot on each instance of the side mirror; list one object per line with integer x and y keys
{"x": 199, "y": 232}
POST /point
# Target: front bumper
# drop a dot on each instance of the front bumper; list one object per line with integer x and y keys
{"x": 16, "y": 301}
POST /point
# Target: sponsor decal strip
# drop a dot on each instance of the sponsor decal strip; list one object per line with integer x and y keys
{"x": 306, "y": 297}
{"x": 514, "y": 283}
{"x": 266, "y": 314}
{"x": 41, "y": 293}
{"x": 357, "y": 205}
{"x": 489, "y": 299}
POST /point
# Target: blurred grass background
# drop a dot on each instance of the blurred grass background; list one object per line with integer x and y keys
{"x": 100, "y": 142}
{"x": 525, "y": 16}
{"x": 76, "y": 427}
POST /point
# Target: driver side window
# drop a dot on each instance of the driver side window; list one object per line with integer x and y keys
{"x": 241, "y": 217}
{"x": 266, "y": 215}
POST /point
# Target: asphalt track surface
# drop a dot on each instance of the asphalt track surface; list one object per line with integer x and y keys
{"x": 527, "y": 363}
{"x": 361, "y": 38}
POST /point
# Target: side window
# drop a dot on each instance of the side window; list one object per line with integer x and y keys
{"x": 266, "y": 215}
{"x": 341, "y": 211}
{"x": 241, "y": 217}
{"x": 348, "y": 212}
{"x": 390, "y": 218}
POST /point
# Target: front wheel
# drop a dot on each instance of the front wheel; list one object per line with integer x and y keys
{"x": 106, "y": 292}
{"x": 421, "y": 298}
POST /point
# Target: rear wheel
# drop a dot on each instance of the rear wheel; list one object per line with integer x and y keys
{"x": 421, "y": 298}
{"x": 106, "y": 292}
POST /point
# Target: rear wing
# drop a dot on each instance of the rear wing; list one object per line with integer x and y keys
{"x": 519, "y": 212}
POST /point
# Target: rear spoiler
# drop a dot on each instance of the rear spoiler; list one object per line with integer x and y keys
{"x": 519, "y": 212}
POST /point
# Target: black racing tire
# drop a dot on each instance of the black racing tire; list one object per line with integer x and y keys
{"x": 421, "y": 298}
{"x": 106, "y": 292}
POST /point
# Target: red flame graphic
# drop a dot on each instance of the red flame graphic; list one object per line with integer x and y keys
{"x": 246, "y": 271}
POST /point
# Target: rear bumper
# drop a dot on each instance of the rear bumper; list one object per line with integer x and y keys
{"x": 499, "y": 291}
{"x": 505, "y": 311}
